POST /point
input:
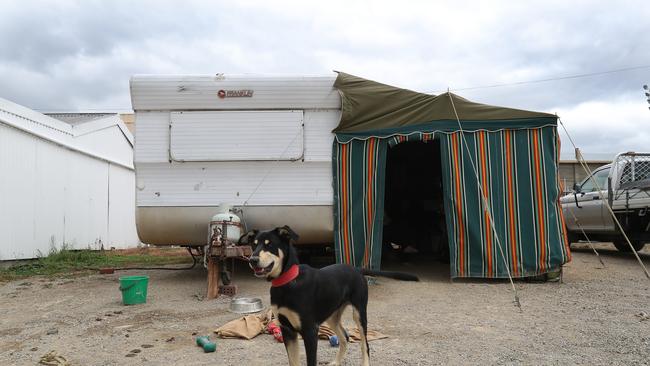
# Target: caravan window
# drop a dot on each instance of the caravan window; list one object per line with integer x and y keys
{"x": 236, "y": 135}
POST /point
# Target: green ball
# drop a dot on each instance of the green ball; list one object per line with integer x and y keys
{"x": 210, "y": 347}
{"x": 204, "y": 342}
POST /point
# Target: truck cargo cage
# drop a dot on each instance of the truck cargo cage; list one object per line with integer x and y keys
{"x": 633, "y": 175}
{"x": 631, "y": 193}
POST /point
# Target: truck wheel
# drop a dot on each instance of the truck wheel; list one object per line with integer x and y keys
{"x": 623, "y": 247}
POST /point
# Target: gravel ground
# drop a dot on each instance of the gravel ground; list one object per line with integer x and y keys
{"x": 591, "y": 318}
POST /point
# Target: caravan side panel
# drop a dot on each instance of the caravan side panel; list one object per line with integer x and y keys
{"x": 318, "y": 134}
{"x": 179, "y": 93}
{"x": 151, "y": 137}
{"x": 236, "y": 135}
{"x": 189, "y": 225}
{"x": 153, "y": 134}
{"x": 175, "y": 199}
{"x": 253, "y": 183}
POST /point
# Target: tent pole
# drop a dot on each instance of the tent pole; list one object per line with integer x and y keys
{"x": 485, "y": 203}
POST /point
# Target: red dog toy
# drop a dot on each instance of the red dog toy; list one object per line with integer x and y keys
{"x": 276, "y": 331}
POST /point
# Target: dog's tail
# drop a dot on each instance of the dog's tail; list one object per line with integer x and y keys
{"x": 394, "y": 275}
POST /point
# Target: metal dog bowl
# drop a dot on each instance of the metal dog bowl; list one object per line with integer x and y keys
{"x": 245, "y": 305}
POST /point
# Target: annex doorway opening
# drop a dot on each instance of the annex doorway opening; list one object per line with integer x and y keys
{"x": 414, "y": 216}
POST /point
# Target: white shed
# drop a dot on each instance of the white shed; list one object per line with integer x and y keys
{"x": 65, "y": 180}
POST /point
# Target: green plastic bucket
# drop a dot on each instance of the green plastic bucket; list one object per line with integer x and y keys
{"x": 134, "y": 289}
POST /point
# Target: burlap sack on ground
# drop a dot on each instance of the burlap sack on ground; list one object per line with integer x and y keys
{"x": 249, "y": 326}
{"x": 324, "y": 332}
{"x": 246, "y": 327}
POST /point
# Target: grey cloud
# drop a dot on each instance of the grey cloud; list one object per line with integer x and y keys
{"x": 79, "y": 55}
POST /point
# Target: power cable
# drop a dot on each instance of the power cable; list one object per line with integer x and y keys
{"x": 498, "y": 85}
{"x": 566, "y": 77}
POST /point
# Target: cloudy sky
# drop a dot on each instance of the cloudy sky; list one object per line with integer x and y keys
{"x": 78, "y": 55}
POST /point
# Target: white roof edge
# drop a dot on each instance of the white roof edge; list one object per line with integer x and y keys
{"x": 49, "y": 112}
{"x": 59, "y": 132}
{"x": 102, "y": 123}
{"x": 33, "y": 116}
{"x": 225, "y": 76}
{"x": 197, "y": 92}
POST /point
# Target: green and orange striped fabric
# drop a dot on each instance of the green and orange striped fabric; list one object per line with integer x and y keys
{"x": 517, "y": 174}
{"x": 359, "y": 171}
{"x": 516, "y": 169}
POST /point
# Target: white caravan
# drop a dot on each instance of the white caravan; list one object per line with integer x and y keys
{"x": 260, "y": 143}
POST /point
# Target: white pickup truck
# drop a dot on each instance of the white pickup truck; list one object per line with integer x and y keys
{"x": 625, "y": 184}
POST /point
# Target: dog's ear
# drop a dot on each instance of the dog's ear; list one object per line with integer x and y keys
{"x": 247, "y": 239}
{"x": 286, "y": 232}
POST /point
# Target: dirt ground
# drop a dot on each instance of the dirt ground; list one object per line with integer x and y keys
{"x": 591, "y": 318}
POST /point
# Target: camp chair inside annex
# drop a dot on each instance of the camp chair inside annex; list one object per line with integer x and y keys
{"x": 498, "y": 171}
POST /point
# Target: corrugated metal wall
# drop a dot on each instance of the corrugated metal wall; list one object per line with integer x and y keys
{"x": 50, "y": 195}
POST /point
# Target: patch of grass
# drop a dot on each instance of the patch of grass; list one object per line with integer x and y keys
{"x": 66, "y": 261}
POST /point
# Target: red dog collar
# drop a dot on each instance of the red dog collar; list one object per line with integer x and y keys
{"x": 286, "y": 277}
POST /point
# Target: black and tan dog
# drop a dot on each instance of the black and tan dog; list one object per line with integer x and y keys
{"x": 303, "y": 297}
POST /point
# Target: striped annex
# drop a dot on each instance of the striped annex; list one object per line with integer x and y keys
{"x": 359, "y": 169}
{"x": 516, "y": 172}
{"x": 342, "y": 209}
{"x": 455, "y": 209}
{"x": 566, "y": 251}
{"x": 416, "y": 136}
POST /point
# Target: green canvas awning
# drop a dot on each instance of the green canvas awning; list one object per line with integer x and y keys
{"x": 370, "y": 108}
{"x": 504, "y": 156}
